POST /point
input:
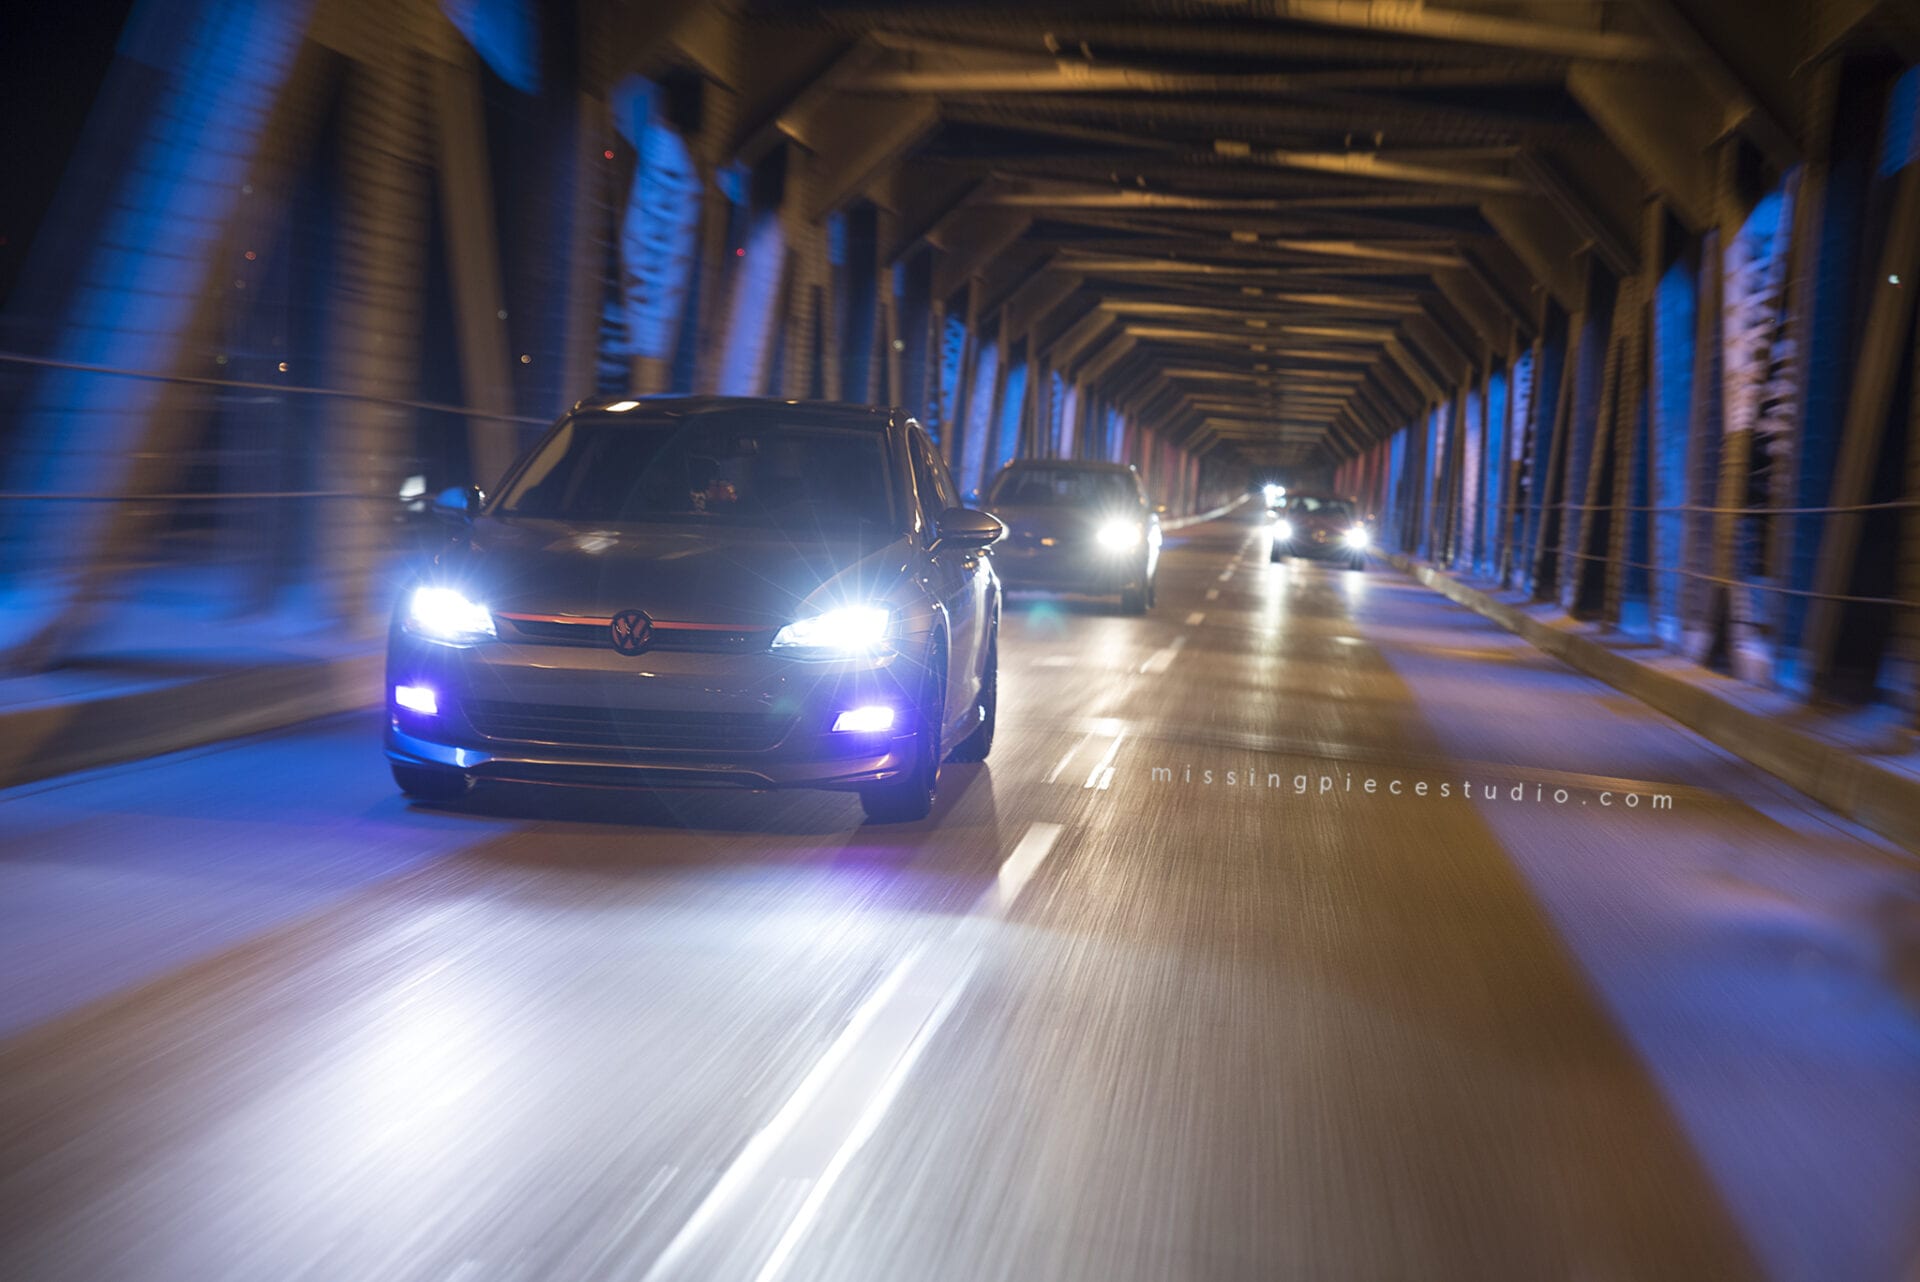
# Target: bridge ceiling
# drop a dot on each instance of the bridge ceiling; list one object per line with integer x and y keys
{"x": 1287, "y": 224}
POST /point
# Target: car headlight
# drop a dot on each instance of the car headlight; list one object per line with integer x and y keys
{"x": 1283, "y": 531}
{"x": 1358, "y": 537}
{"x": 851, "y": 631}
{"x": 448, "y": 617}
{"x": 1118, "y": 536}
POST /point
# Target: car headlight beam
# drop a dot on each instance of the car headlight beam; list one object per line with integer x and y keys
{"x": 849, "y": 631}
{"x": 1358, "y": 537}
{"x": 448, "y": 617}
{"x": 1118, "y": 536}
{"x": 1283, "y": 531}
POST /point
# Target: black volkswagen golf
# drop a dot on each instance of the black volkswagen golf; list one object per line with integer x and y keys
{"x": 690, "y": 592}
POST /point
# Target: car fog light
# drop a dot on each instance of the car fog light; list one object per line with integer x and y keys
{"x": 868, "y": 720}
{"x": 420, "y": 699}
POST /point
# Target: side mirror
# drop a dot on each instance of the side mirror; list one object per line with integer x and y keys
{"x": 458, "y": 502}
{"x": 968, "y": 528}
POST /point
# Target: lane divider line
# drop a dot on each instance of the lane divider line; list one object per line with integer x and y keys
{"x": 1105, "y": 764}
{"x": 1163, "y": 658}
{"x": 840, "y": 1103}
{"x": 1071, "y": 753}
{"x": 1197, "y": 618}
{"x": 1213, "y": 594}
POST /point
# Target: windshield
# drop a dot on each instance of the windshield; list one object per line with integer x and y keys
{"x": 751, "y": 469}
{"x": 1062, "y": 486}
{"x": 1333, "y": 509}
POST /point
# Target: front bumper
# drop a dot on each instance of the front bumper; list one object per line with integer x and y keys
{"x": 1090, "y": 569}
{"x": 1330, "y": 549}
{"x": 574, "y": 715}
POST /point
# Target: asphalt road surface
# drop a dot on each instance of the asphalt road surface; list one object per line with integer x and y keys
{"x": 264, "y": 1020}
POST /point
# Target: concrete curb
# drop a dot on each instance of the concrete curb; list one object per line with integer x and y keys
{"x": 40, "y": 741}
{"x": 1881, "y": 797}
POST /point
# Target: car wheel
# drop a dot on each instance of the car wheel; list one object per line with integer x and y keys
{"x": 910, "y": 796}
{"x": 1276, "y": 555}
{"x": 1153, "y": 590}
{"x": 430, "y": 783}
{"x": 1133, "y": 601}
{"x": 977, "y": 745}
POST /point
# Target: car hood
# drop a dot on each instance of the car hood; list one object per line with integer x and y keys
{"x": 742, "y": 577}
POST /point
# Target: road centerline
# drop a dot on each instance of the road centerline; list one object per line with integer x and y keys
{"x": 841, "y": 1101}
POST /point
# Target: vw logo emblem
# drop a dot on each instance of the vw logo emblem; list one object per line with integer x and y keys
{"x": 631, "y": 630}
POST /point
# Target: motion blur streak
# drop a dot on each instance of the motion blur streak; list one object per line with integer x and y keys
{"x": 272, "y": 1020}
{"x": 1293, "y": 390}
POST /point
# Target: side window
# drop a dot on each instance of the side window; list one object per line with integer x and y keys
{"x": 943, "y": 480}
{"x": 924, "y": 482}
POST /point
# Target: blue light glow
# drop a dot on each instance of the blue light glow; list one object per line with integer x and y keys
{"x": 659, "y": 230}
{"x": 1012, "y": 402}
{"x": 502, "y": 32}
{"x": 1900, "y": 142}
{"x": 979, "y": 418}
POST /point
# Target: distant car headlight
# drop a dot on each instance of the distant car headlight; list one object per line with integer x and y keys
{"x": 447, "y": 617}
{"x": 1118, "y": 536}
{"x": 1358, "y": 537}
{"x": 1283, "y": 531}
{"x": 850, "y": 631}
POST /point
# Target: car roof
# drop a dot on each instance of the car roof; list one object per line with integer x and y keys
{"x": 878, "y": 415}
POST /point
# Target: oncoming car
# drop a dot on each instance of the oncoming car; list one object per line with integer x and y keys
{"x": 1319, "y": 526}
{"x": 694, "y": 592}
{"x": 1077, "y": 527}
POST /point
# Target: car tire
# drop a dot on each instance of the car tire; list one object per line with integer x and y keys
{"x": 430, "y": 783}
{"x": 1133, "y": 601}
{"x": 910, "y": 797}
{"x": 1153, "y": 590}
{"x": 1276, "y": 555}
{"x": 977, "y": 745}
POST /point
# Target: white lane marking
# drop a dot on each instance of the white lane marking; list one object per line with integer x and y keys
{"x": 1163, "y": 658}
{"x": 1062, "y": 765}
{"x": 1055, "y": 661}
{"x": 1226, "y": 574}
{"x": 1197, "y": 618}
{"x": 1106, "y": 777}
{"x": 840, "y": 1103}
{"x": 1213, "y": 594}
{"x": 1105, "y": 764}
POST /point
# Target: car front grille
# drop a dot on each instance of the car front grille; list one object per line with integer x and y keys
{"x": 665, "y": 636}
{"x": 592, "y": 727}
